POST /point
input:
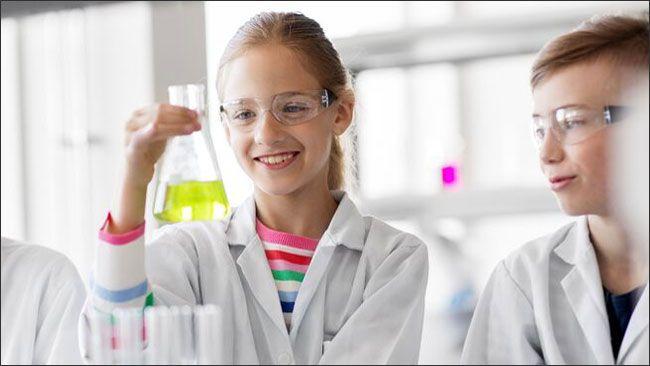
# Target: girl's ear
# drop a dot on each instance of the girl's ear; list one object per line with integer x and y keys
{"x": 344, "y": 115}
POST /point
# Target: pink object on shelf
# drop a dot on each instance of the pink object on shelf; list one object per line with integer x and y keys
{"x": 449, "y": 175}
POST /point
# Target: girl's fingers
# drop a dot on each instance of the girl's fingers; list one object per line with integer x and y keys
{"x": 176, "y": 119}
{"x": 159, "y": 122}
{"x": 157, "y": 132}
{"x": 168, "y": 109}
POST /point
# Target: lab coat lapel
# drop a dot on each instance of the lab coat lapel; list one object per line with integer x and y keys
{"x": 315, "y": 273}
{"x": 583, "y": 289}
{"x": 346, "y": 228}
{"x": 638, "y": 323}
{"x": 253, "y": 262}
{"x": 594, "y": 326}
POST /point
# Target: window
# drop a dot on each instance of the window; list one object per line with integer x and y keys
{"x": 498, "y": 105}
{"x": 12, "y": 215}
{"x": 408, "y": 121}
{"x": 81, "y": 74}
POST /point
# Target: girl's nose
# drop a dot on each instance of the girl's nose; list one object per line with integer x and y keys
{"x": 268, "y": 130}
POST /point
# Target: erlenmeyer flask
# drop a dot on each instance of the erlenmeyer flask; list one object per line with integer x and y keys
{"x": 189, "y": 185}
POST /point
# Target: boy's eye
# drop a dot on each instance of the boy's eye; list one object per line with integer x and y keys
{"x": 570, "y": 119}
{"x": 539, "y": 133}
{"x": 571, "y": 123}
{"x": 538, "y": 127}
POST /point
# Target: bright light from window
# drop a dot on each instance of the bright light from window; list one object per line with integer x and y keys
{"x": 12, "y": 184}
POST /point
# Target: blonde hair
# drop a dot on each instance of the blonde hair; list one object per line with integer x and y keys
{"x": 305, "y": 37}
{"x": 624, "y": 39}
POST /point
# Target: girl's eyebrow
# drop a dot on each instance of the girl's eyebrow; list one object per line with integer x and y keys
{"x": 237, "y": 101}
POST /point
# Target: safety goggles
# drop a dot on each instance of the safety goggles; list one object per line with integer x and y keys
{"x": 290, "y": 108}
{"x": 573, "y": 124}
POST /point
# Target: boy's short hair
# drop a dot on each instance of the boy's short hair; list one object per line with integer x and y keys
{"x": 623, "y": 39}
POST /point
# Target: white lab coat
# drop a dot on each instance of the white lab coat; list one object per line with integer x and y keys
{"x": 42, "y": 296}
{"x": 545, "y": 304}
{"x": 361, "y": 301}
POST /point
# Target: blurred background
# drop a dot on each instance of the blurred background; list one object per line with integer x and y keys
{"x": 443, "y": 146}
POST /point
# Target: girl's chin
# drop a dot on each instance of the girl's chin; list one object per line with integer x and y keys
{"x": 276, "y": 188}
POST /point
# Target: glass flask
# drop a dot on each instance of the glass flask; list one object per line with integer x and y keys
{"x": 189, "y": 186}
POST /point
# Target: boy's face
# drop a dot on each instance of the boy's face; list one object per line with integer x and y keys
{"x": 578, "y": 173}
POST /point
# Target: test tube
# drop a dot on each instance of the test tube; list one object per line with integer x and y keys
{"x": 158, "y": 330}
{"x": 208, "y": 326}
{"x": 101, "y": 335}
{"x": 182, "y": 349}
{"x": 129, "y": 325}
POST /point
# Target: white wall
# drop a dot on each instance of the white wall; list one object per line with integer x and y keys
{"x": 13, "y": 213}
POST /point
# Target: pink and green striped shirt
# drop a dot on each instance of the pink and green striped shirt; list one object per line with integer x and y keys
{"x": 289, "y": 257}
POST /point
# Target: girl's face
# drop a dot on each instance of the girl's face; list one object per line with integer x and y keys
{"x": 578, "y": 173}
{"x": 263, "y": 72}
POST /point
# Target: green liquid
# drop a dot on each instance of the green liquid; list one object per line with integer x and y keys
{"x": 194, "y": 201}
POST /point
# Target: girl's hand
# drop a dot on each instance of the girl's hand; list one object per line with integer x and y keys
{"x": 146, "y": 134}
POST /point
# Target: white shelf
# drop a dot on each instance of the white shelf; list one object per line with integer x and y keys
{"x": 464, "y": 205}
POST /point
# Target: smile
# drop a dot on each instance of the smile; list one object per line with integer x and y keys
{"x": 277, "y": 161}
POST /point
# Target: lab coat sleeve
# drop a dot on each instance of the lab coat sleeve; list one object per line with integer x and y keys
{"x": 56, "y": 339}
{"x": 503, "y": 329}
{"x": 387, "y": 327}
{"x": 125, "y": 277}
{"x": 172, "y": 268}
{"x": 118, "y": 277}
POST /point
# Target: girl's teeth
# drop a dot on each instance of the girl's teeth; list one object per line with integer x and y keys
{"x": 275, "y": 159}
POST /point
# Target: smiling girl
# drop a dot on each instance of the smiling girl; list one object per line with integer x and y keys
{"x": 300, "y": 275}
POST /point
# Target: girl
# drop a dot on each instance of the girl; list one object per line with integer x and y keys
{"x": 300, "y": 275}
{"x": 579, "y": 295}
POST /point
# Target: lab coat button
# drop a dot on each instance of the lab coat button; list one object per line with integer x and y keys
{"x": 285, "y": 359}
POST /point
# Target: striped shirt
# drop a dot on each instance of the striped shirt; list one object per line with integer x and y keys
{"x": 289, "y": 257}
